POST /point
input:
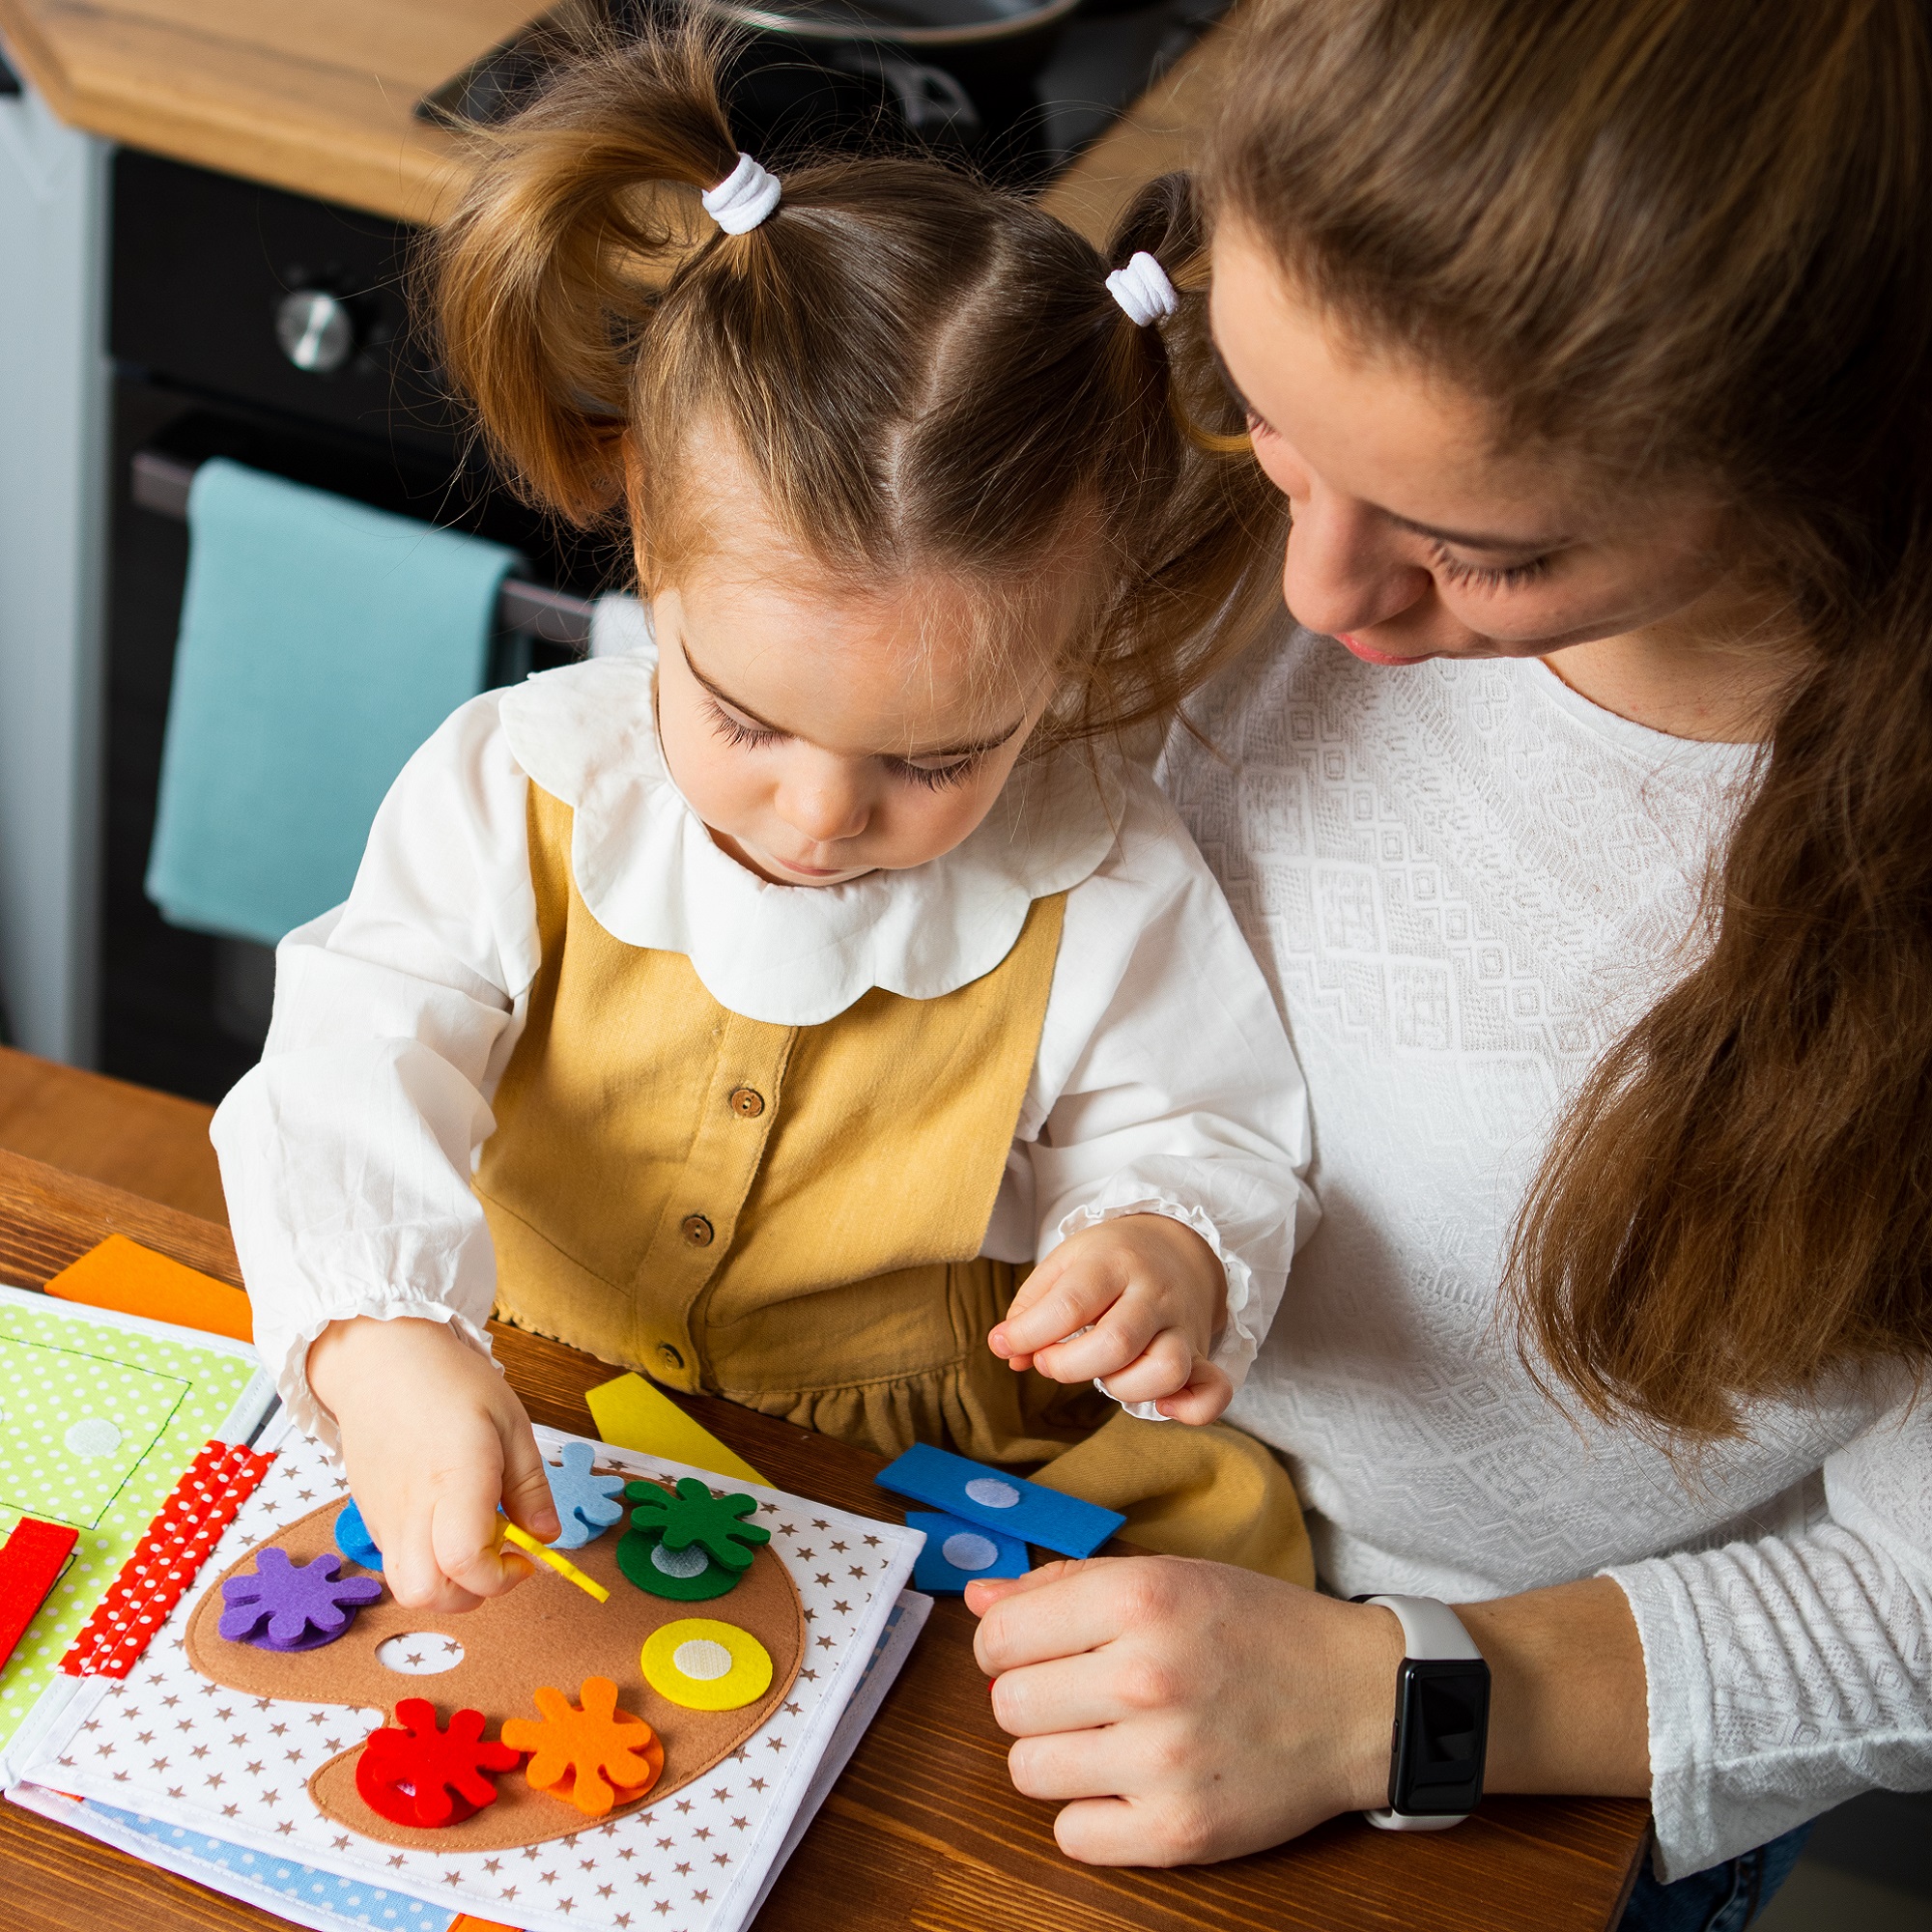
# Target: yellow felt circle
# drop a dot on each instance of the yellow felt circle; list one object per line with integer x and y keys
{"x": 682, "y": 1662}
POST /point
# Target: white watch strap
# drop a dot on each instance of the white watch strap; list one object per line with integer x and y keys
{"x": 1429, "y": 1630}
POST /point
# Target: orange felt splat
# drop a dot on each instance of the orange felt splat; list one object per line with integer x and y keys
{"x": 594, "y": 1748}
{"x": 122, "y": 1275}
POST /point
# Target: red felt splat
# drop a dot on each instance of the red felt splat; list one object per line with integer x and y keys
{"x": 153, "y": 1578}
{"x": 583, "y": 1754}
{"x": 422, "y": 1776}
{"x": 28, "y": 1566}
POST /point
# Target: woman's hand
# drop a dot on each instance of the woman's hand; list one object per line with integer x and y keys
{"x": 1136, "y": 1301}
{"x": 1181, "y": 1712}
{"x": 433, "y": 1437}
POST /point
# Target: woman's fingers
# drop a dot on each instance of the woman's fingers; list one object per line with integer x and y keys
{"x": 1068, "y": 1609}
{"x": 1069, "y": 1694}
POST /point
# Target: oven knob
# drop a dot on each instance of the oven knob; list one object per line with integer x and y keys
{"x": 316, "y": 331}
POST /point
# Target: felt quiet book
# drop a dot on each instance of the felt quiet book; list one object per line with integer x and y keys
{"x": 676, "y": 1729}
{"x": 103, "y": 1417}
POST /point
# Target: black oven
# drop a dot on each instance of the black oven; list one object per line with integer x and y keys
{"x": 275, "y": 330}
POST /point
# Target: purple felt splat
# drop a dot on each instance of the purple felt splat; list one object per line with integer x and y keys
{"x": 302, "y": 1607}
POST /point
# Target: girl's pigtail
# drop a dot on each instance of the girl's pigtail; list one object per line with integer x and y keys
{"x": 1206, "y": 544}
{"x": 548, "y": 276}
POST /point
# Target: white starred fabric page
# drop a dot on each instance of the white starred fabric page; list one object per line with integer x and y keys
{"x": 171, "y": 1746}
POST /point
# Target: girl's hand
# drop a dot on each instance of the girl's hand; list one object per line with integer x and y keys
{"x": 1182, "y": 1712}
{"x": 1136, "y": 1302}
{"x": 433, "y": 1437}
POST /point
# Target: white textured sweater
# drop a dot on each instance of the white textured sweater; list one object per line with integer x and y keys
{"x": 1463, "y": 881}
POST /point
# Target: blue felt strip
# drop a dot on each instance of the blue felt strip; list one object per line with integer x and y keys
{"x": 1035, "y": 1515}
{"x": 948, "y": 1537}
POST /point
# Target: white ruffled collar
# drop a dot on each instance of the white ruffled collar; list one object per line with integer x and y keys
{"x": 647, "y": 869}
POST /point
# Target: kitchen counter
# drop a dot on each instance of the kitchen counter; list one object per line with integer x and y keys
{"x": 315, "y": 95}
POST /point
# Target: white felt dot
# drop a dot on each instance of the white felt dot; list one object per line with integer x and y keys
{"x": 703, "y": 1658}
{"x": 989, "y": 1492}
{"x": 419, "y": 1652}
{"x": 678, "y": 1562}
{"x": 95, "y": 1436}
{"x": 967, "y": 1552}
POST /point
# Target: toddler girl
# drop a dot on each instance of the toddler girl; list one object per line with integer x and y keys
{"x": 754, "y": 1008}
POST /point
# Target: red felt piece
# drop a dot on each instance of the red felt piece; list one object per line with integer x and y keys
{"x": 422, "y": 1776}
{"x": 28, "y": 1565}
{"x": 152, "y": 1581}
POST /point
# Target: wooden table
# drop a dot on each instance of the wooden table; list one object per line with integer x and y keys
{"x": 924, "y": 1831}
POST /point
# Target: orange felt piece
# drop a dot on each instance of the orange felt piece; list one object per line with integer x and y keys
{"x": 595, "y": 1748}
{"x": 124, "y": 1276}
{"x": 469, "y": 1922}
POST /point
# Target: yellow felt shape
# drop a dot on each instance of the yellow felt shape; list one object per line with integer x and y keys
{"x": 631, "y": 1415}
{"x": 583, "y": 1754}
{"x": 706, "y": 1665}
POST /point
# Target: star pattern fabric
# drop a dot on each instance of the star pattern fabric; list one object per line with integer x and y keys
{"x": 183, "y": 1752}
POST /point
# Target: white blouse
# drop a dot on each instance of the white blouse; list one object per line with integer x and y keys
{"x": 1163, "y": 1081}
{"x": 1465, "y": 881}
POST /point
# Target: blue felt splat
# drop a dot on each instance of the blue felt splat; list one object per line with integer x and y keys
{"x": 586, "y": 1505}
{"x": 958, "y": 1551}
{"x": 992, "y": 1499}
{"x": 353, "y": 1538}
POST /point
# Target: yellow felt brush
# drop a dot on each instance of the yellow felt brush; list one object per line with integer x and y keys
{"x": 543, "y": 1553}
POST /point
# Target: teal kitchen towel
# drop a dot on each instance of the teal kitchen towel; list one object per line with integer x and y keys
{"x": 321, "y": 642}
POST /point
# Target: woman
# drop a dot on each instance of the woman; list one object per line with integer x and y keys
{"x": 1586, "y": 832}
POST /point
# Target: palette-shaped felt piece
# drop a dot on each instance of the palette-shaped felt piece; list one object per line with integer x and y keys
{"x": 546, "y": 1634}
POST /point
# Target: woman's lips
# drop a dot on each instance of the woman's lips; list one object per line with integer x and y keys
{"x": 1369, "y": 655}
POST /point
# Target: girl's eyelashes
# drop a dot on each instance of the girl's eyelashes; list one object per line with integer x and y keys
{"x": 735, "y": 731}
{"x": 934, "y": 777}
{"x": 1487, "y": 577}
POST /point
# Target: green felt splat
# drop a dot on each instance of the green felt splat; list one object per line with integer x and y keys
{"x": 644, "y": 1557}
{"x": 715, "y": 1525}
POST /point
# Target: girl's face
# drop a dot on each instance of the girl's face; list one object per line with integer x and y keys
{"x": 821, "y": 735}
{"x": 1412, "y": 536}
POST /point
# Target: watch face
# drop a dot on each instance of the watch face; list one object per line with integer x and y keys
{"x": 1441, "y": 1731}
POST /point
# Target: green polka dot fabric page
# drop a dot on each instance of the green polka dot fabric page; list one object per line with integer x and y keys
{"x": 99, "y": 1413}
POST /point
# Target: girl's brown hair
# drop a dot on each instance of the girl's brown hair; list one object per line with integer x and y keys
{"x": 1689, "y": 239}
{"x": 925, "y": 373}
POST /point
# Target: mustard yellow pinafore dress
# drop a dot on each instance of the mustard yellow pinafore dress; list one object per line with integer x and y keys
{"x": 791, "y": 1217}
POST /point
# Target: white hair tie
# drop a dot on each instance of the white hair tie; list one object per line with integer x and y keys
{"x": 743, "y": 198}
{"x": 1143, "y": 290}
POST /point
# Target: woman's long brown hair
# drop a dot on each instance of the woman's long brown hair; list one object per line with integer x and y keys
{"x": 923, "y": 372}
{"x": 1689, "y": 239}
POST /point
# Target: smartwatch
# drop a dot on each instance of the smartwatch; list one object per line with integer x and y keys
{"x": 1441, "y": 1719}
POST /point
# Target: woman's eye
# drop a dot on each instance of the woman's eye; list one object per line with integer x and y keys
{"x": 1487, "y": 577}
{"x": 735, "y": 731}
{"x": 934, "y": 777}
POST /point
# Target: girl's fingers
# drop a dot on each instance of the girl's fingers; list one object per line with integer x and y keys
{"x": 463, "y": 1531}
{"x": 414, "y": 1577}
{"x": 1208, "y": 1393}
{"x": 1161, "y": 1369}
{"x": 1075, "y": 1298}
{"x": 526, "y": 1498}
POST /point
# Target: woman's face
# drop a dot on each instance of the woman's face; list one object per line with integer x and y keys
{"x": 1413, "y": 537}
